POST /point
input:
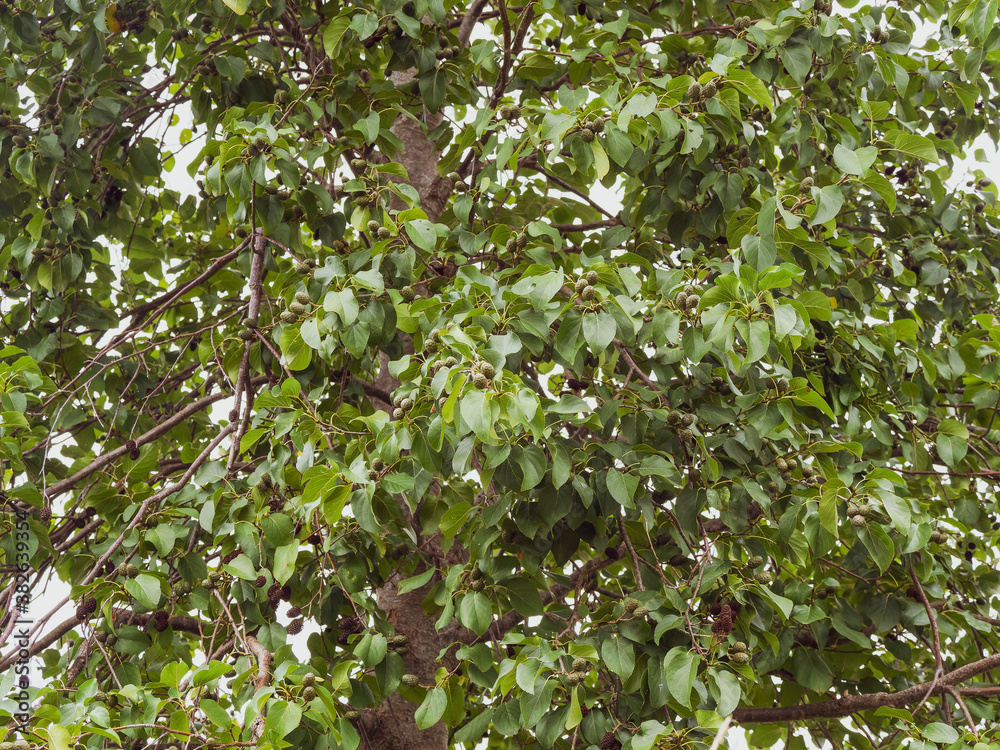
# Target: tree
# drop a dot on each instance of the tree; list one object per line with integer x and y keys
{"x": 526, "y": 465}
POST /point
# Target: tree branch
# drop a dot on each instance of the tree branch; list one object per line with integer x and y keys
{"x": 843, "y": 707}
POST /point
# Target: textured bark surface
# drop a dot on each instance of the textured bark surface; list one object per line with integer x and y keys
{"x": 392, "y": 725}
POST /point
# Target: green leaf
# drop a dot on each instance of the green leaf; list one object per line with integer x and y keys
{"x": 431, "y": 708}
{"x": 412, "y": 584}
{"x": 680, "y": 667}
{"x": 371, "y": 649}
{"x": 284, "y": 561}
{"x": 211, "y": 671}
{"x": 811, "y": 670}
{"x": 730, "y": 692}
{"x": 533, "y": 465}
{"x": 813, "y": 399}
{"x": 282, "y": 719}
{"x": 297, "y": 353}
{"x": 912, "y": 145}
{"x": 524, "y": 596}
{"x": 599, "y": 330}
{"x": 215, "y": 713}
{"x": 238, "y": 6}
{"x": 748, "y": 84}
{"x": 618, "y": 655}
{"x": 334, "y": 34}
{"x": 879, "y": 545}
{"x": 622, "y": 487}
{"x": 476, "y": 413}
{"x": 828, "y": 205}
{"x": 759, "y": 340}
{"x": 475, "y": 611}
{"x": 145, "y": 589}
{"x": 937, "y": 731}
{"x": 59, "y": 737}
{"x": 854, "y": 162}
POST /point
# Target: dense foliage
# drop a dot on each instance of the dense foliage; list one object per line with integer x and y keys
{"x": 525, "y": 466}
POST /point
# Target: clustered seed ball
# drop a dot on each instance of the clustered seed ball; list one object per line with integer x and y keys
{"x": 610, "y": 742}
{"x": 295, "y": 627}
{"x": 410, "y": 680}
{"x": 161, "y": 621}
{"x": 309, "y": 693}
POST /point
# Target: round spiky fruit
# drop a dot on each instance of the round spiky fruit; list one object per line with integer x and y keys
{"x": 694, "y": 91}
{"x": 408, "y": 293}
{"x": 309, "y": 693}
{"x": 588, "y": 293}
{"x": 763, "y": 578}
{"x": 288, "y": 316}
{"x": 709, "y": 90}
{"x": 640, "y": 611}
{"x": 755, "y": 561}
{"x": 480, "y": 381}
{"x": 858, "y": 520}
{"x": 781, "y": 464}
{"x": 574, "y": 678}
{"x": 631, "y": 605}
{"x": 587, "y": 135}
{"x": 398, "y": 413}
{"x": 580, "y": 665}
{"x": 741, "y": 658}
{"x": 302, "y": 298}
{"x": 739, "y": 647}
{"x": 297, "y": 308}
{"x": 591, "y": 277}
{"x": 487, "y": 369}
{"x": 410, "y": 680}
